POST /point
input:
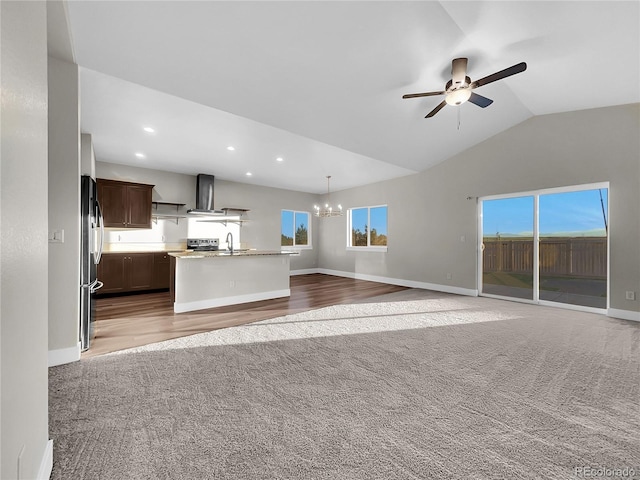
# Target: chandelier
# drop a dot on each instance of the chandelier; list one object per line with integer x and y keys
{"x": 328, "y": 210}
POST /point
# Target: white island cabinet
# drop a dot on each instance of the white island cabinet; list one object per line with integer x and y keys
{"x": 215, "y": 279}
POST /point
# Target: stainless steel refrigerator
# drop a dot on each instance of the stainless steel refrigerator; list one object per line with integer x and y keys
{"x": 92, "y": 241}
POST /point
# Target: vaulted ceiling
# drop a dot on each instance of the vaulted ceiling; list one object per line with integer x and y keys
{"x": 320, "y": 84}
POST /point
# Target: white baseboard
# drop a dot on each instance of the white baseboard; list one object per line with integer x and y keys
{"x": 624, "y": 314}
{"x": 611, "y": 312}
{"x": 303, "y": 271}
{"x": 46, "y": 464}
{"x": 64, "y": 355}
{"x": 391, "y": 281}
{"x": 222, "y": 302}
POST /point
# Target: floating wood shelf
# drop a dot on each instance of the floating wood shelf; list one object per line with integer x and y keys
{"x": 177, "y": 216}
{"x": 239, "y": 212}
{"x": 232, "y": 209}
{"x": 178, "y": 205}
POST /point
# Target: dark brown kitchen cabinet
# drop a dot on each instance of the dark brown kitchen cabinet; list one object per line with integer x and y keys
{"x": 111, "y": 272}
{"x": 161, "y": 273}
{"x": 125, "y": 204}
{"x": 126, "y": 272}
{"x": 140, "y": 271}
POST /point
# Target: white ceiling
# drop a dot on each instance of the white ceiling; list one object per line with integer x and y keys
{"x": 320, "y": 83}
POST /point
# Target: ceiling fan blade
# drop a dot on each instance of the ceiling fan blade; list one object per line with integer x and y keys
{"x": 507, "y": 72}
{"x": 479, "y": 100}
{"x": 436, "y": 110}
{"x": 426, "y": 94}
{"x": 458, "y": 70}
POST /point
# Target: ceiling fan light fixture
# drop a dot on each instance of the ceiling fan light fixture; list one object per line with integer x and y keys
{"x": 458, "y": 97}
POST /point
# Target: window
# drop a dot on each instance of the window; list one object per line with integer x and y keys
{"x": 368, "y": 228}
{"x": 295, "y": 229}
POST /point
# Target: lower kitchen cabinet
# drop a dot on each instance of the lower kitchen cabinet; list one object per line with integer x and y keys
{"x": 140, "y": 271}
{"x": 161, "y": 265}
{"x": 111, "y": 272}
{"x": 131, "y": 272}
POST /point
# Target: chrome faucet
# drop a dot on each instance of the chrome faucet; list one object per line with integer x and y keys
{"x": 229, "y": 243}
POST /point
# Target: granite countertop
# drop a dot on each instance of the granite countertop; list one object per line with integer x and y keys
{"x": 144, "y": 247}
{"x": 225, "y": 253}
{"x": 168, "y": 250}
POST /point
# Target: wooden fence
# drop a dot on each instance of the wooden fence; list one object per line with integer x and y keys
{"x": 576, "y": 257}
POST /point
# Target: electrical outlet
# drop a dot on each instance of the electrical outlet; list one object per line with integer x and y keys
{"x": 449, "y": 276}
{"x": 630, "y": 295}
{"x": 232, "y": 283}
{"x": 463, "y": 238}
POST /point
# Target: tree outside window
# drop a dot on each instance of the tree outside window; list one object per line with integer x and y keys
{"x": 295, "y": 229}
{"x": 368, "y": 227}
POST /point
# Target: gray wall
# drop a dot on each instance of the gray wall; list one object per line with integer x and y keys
{"x": 168, "y": 186}
{"x": 23, "y": 245}
{"x": 263, "y": 229}
{"x": 64, "y": 206}
{"x": 87, "y": 156}
{"x": 429, "y": 212}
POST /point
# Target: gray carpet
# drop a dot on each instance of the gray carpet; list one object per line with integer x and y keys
{"x": 419, "y": 385}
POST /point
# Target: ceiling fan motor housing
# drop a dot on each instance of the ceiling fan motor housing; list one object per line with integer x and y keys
{"x": 450, "y": 87}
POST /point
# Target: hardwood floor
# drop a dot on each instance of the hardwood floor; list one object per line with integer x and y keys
{"x": 135, "y": 320}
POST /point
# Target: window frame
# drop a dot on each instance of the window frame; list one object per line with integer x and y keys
{"x": 368, "y": 247}
{"x": 309, "y": 245}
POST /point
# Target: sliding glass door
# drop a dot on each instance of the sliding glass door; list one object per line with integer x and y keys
{"x": 547, "y": 246}
{"x": 573, "y": 247}
{"x": 507, "y": 237}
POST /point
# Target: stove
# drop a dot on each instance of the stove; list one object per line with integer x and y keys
{"x": 203, "y": 244}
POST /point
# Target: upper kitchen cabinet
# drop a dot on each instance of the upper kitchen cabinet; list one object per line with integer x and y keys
{"x": 125, "y": 204}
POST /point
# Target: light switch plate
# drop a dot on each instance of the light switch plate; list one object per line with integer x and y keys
{"x": 56, "y": 236}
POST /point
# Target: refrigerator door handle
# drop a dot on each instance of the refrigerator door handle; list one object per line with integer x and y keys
{"x": 101, "y": 223}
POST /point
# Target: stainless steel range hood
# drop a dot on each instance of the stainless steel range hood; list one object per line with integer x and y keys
{"x": 204, "y": 197}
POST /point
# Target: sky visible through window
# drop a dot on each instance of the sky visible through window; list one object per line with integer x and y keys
{"x": 359, "y": 219}
{"x": 287, "y": 223}
{"x": 369, "y": 226}
{"x": 302, "y": 220}
{"x": 571, "y": 213}
{"x": 378, "y": 219}
{"x": 295, "y": 229}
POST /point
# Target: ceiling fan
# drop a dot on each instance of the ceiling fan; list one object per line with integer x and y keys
{"x": 459, "y": 89}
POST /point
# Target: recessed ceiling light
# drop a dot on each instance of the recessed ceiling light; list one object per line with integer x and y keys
{"x": 140, "y": 155}
{"x": 248, "y": 174}
{"x": 230, "y": 148}
{"x": 279, "y": 159}
{"x": 149, "y": 130}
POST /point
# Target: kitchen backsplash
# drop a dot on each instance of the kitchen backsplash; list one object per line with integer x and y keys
{"x": 168, "y": 232}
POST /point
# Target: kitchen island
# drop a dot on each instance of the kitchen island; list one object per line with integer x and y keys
{"x": 214, "y": 279}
